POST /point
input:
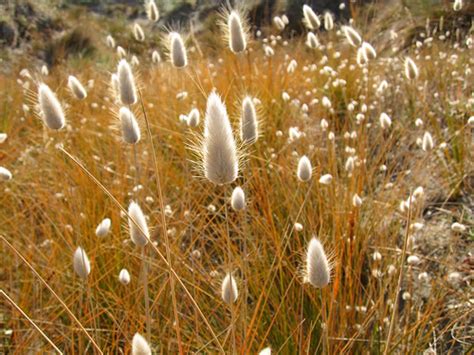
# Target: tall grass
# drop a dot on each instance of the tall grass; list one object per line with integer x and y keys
{"x": 375, "y": 299}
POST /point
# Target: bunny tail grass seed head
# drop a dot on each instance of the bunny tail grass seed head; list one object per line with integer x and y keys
{"x": 328, "y": 21}
{"x": 219, "y": 150}
{"x": 152, "y": 10}
{"x": 121, "y": 53}
{"x": 304, "y": 171}
{"x": 140, "y": 345}
{"x": 139, "y": 234}
{"x": 318, "y": 269}
{"x": 138, "y": 32}
{"x": 229, "y": 292}
{"x": 310, "y": 19}
{"x": 312, "y": 40}
{"x": 457, "y": 6}
{"x": 76, "y": 88}
{"x": 237, "y": 201}
{"x": 279, "y": 24}
{"x": 248, "y": 122}
{"x": 236, "y": 32}
{"x": 124, "y": 277}
{"x": 155, "y": 57}
{"x": 5, "y": 174}
{"x": 266, "y": 351}
{"x": 411, "y": 70}
{"x": 127, "y": 89}
{"x": 177, "y": 50}
{"x": 325, "y": 179}
{"x": 193, "y": 118}
{"x": 81, "y": 263}
{"x": 385, "y": 120}
{"x": 103, "y": 228}
{"x": 427, "y": 143}
{"x": 50, "y": 109}
{"x": 362, "y": 57}
{"x": 369, "y": 50}
{"x": 352, "y": 36}
{"x": 130, "y": 128}
{"x": 110, "y": 41}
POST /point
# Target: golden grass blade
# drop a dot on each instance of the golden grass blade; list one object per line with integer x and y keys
{"x": 52, "y": 292}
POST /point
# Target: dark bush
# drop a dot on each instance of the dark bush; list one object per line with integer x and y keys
{"x": 73, "y": 43}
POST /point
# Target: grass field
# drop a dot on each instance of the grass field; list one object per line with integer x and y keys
{"x": 389, "y": 196}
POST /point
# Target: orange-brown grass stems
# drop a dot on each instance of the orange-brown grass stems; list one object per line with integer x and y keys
{"x": 140, "y": 237}
{"x": 398, "y": 286}
{"x": 82, "y": 267}
{"x": 45, "y": 283}
{"x": 220, "y": 164}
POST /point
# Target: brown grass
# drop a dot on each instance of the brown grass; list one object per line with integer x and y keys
{"x": 52, "y": 206}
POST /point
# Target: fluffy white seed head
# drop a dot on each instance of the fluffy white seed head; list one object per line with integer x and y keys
{"x": 411, "y": 70}
{"x": 362, "y": 58}
{"x": 130, "y": 128}
{"x": 318, "y": 270}
{"x": 458, "y": 227}
{"x": 152, "y": 11}
{"x": 76, "y": 88}
{"x": 138, "y": 32}
{"x": 457, "y": 6}
{"x": 124, "y": 277}
{"x": 135, "y": 62}
{"x": 352, "y": 36}
{"x": 50, "y": 109}
{"x": 237, "y": 200}
{"x": 369, "y": 50}
{"x": 312, "y": 40}
{"x": 219, "y": 150}
{"x": 268, "y": 50}
{"x": 139, "y": 236}
{"x": 5, "y": 174}
{"x": 356, "y": 201}
{"x": 236, "y": 32}
{"x": 44, "y": 70}
{"x": 140, "y": 345}
{"x": 3, "y": 137}
{"x": 155, "y": 57}
{"x": 298, "y": 227}
{"x": 266, "y": 351}
{"x": 385, "y": 120}
{"x": 349, "y": 166}
{"x": 427, "y": 143}
{"x": 328, "y": 21}
{"x": 178, "y": 54}
{"x": 229, "y": 292}
{"x": 103, "y": 228}
{"x": 311, "y": 20}
{"x": 304, "y": 170}
{"x": 121, "y": 52}
{"x": 126, "y": 81}
{"x": 325, "y": 179}
{"x": 279, "y": 24}
{"x": 413, "y": 260}
{"x": 248, "y": 122}
{"x": 110, "y": 41}
{"x": 193, "y": 118}
{"x": 81, "y": 263}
